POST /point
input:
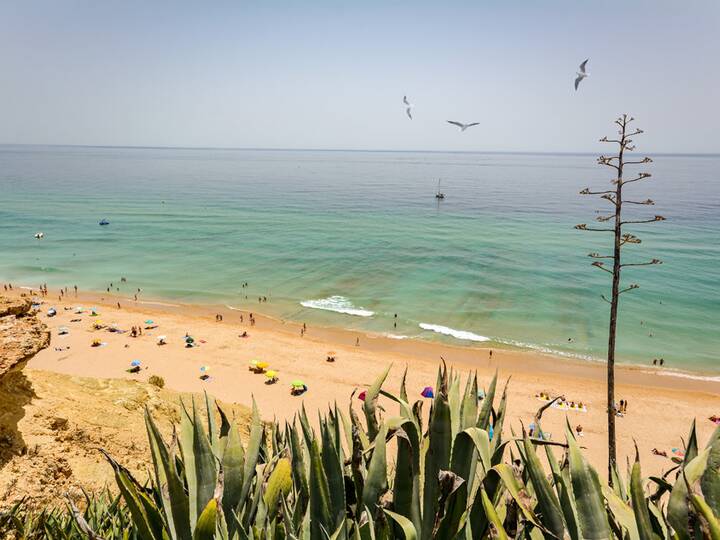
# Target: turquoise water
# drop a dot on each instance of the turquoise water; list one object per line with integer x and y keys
{"x": 361, "y": 234}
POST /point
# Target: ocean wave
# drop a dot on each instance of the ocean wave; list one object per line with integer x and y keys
{"x": 458, "y": 334}
{"x": 397, "y": 336}
{"x": 233, "y": 308}
{"x": 338, "y": 304}
{"x": 684, "y": 375}
{"x": 153, "y": 303}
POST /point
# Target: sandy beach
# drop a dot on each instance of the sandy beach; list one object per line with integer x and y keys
{"x": 660, "y": 407}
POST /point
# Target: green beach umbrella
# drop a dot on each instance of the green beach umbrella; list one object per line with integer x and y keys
{"x": 149, "y": 321}
{"x": 297, "y": 383}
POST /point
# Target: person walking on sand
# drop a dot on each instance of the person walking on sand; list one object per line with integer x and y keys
{"x": 490, "y": 352}
{"x": 357, "y": 342}
{"x": 75, "y": 290}
{"x": 118, "y": 305}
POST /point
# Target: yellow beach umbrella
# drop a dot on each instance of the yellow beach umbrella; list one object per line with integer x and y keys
{"x": 271, "y": 374}
{"x": 262, "y": 365}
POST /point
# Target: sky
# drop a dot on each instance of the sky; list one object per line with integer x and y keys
{"x": 332, "y": 74}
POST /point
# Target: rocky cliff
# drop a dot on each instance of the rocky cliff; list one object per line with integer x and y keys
{"x": 22, "y": 335}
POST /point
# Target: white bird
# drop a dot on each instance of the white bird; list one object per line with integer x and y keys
{"x": 581, "y": 74}
{"x": 408, "y": 107}
{"x": 462, "y": 126}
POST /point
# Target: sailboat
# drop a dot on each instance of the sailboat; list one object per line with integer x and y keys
{"x": 439, "y": 194}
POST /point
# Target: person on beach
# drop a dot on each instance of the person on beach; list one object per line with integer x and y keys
{"x": 118, "y": 304}
{"x": 662, "y": 361}
{"x": 579, "y": 431}
{"x": 75, "y": 290}
{"x": 241, "y": 318}
{"x": 357, "y": 342}
{"x": 490, "y": 352}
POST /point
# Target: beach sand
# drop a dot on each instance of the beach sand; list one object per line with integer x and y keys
{"x": 661, "y": 408}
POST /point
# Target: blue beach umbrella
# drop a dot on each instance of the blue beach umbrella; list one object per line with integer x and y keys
{"x": 135, "y": 363}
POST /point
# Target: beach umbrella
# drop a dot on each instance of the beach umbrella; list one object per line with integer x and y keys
{"x": 271, "y": 374}
{"x": 135, "y": 363}
{"x": 427, "y": 392}
{"x": 361, "y": 395}
{"x": 297, "y": 384}
{"x": 262, "y": 365}
{"x": 189, "y": 339}
{"x": 161, "y": 338}
{"x": 204, "y": 369}
{"x": 149, "y": 321}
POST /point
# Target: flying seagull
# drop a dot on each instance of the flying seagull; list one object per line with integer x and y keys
{"x": 462, "y": 126}
{"x": 408, "y": 107}
{"x": 581, "y": 74}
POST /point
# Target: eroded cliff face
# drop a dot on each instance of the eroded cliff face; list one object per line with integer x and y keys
{"x": 22, "y": 335}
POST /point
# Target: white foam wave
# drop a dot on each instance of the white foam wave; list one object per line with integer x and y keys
{"x": 153, "y": 303}
{"x": 233, "y": 308}
{"x": 397, "y": 336}
{"x": 338, "y": 304}
{"x": 458, "y": 334}
{"x": 684, "y": 375}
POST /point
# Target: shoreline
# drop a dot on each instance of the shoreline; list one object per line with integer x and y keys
{"x": 470, "y": 356}
{"x": 661, "y": 409}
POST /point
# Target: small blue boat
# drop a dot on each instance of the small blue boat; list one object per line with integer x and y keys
{"x": 104, "y": 222}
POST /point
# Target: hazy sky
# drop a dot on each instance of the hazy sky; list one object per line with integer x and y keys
{"x": 332, "y": 74}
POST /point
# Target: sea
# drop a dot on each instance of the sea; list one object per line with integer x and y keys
{"x": 357, "y": 239}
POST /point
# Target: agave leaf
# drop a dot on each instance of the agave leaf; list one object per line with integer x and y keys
{"x": 213, "y": 433}
{"x": 454, "y": 404}
{"x": 469, "y": 406}
{"x": 133, "y": 496}
{"x": 588, "y": 496}
{"x": 408, "y": 529}
{"x": 205, "y": 465}
{"x": 658, "y": 519}
{"x": 370, "y": 404}
{"x": 496, "y": 441}
{"x": 186, "y": 438}
{"x": 376, "y": 481}
{"x": 495, "y": 523}
{"x": 470, "y": 445}
{"x": 299, "y": 467}
{"x": 710, "y": 480}
{"x": 677, "y": 508}
{"x": 403, "y": 388}
{"x": 252, "y": 454}
{"x": 639, "y": 504}
{"x": 319, "y": 494}
{"x": 437, "y": 457}
{"x": 483, "y": 421}
{"x": 548, "y": 503}
{"x": 691, "y": 448}
{"x": 205, "y": 528}
{"x": 705, "y": 511}
{"x": 617, "y": 483}
{"x": 622, "y": 513}
{"x": 175, "y": 502}
{"x": 406, "y": 487}
{"x": 518, "y": 493}
{"x": 233, "y": 464}
{"x": 336, "y": 481}
{"x": 452, "y": 505}
{"x": 278, "y": 486}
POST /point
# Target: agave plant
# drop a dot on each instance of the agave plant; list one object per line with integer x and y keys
{"x": 104, "y": 516}
{"x": 390, "y": 476}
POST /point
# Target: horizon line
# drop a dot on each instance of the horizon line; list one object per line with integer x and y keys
{"x": 359, "y": 150}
